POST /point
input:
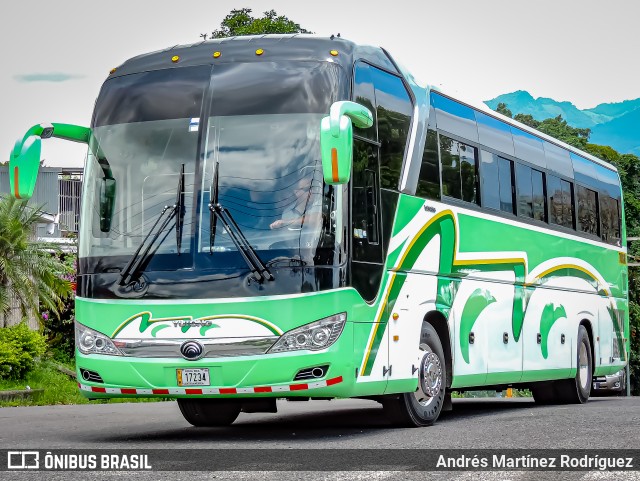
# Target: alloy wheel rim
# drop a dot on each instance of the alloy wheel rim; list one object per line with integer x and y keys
{"x": 583, "y": 366}
{"x": 429, "y": 378}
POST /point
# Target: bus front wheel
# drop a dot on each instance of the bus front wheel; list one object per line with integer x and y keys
{"x": 209, "y": 412}
{"x": 422, "y": 407}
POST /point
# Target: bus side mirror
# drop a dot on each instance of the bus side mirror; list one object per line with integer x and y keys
{"x": 24, "y": 164}
{"x": 336, "y": 139}
{"x": 24, "y": 161}
{"x": 107, "y": 200}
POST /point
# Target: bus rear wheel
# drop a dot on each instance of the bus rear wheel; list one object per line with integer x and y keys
{"x": 422, "y": 407}
{"x": 577, "y": 390}
{"x": 209, "y": 412}
{"x": 569, "y": 391}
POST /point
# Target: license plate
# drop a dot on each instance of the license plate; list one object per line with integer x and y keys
{"x": 193, "y": 377}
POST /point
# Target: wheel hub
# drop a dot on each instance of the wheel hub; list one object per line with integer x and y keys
{"x": 431, "y": 375}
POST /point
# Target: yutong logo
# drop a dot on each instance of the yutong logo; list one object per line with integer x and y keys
{"x": 192, "y": 323}
{"x": 192, "y": 350}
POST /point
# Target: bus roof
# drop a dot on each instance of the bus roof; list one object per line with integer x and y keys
{"x": 301, "y": 47}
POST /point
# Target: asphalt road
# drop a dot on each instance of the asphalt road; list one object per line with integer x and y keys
{"x": 611, "y": 423}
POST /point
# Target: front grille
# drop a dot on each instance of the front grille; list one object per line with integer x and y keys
{"x": 311, "y": 373}
{"x": 90, "y": 376}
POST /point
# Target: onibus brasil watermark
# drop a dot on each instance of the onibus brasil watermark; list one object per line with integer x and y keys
{"x": 34, "y": 460}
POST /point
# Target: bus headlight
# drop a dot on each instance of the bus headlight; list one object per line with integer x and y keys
{"x": 313, "y": 337}
{"x": 89, "y": 341}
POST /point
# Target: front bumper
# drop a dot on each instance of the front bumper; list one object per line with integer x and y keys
{"x": 610, "y": 383}
{"x": 266, "y": 375}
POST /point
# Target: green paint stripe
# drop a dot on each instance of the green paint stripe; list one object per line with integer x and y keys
{"x": 155, "y": 330}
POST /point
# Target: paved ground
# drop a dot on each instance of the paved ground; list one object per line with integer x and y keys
{"x": 344, "y": 424}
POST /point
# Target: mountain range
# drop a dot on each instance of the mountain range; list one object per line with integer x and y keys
{"x": 614, "y": 124}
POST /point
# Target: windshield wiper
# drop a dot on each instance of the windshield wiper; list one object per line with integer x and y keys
{"x": 213, "y": 200}
{"x": 248, "y": 253}
{"x": 180, "y": 209}
{"x": 132, "y": 268}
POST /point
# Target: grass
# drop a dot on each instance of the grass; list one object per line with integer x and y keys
{"x": 58, "y": 388}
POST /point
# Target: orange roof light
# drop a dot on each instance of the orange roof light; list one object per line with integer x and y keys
{"x": 259, "y": 51}
{"x": 175, "y": 58}
{"x": 334, "y": 53}
{"x": 113, "y": 70}
{"x": 216, "y": 54}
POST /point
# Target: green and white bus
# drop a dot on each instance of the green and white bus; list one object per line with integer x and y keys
{"x": 295, "y": 217}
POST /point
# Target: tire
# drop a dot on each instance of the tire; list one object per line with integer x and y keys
{"x": 577, "y": 390}
{"x": 209, "y": 412}
{"x": 544, "y": 392}
{"x": 422, "y": 407}
{"x": 569, "y": 391}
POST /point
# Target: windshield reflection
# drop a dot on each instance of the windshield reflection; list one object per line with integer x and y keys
{"x": 270, "y": 179}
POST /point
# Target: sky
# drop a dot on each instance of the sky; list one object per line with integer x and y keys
{"x": 57, "y": 54}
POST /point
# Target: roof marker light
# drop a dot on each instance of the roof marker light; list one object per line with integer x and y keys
{"x": 334, "y": 53}
{"x": 175, "y": 58}
{"x": 113, "y": 70}
{"x": 259, "y": 51}
{"x": 216, "y": 54}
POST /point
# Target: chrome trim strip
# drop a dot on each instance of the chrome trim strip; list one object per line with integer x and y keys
{"x": 221, "y": 347}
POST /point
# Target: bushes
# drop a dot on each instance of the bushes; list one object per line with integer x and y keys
{"x": 59, "y": 328}
{"x": 19, "y": 348}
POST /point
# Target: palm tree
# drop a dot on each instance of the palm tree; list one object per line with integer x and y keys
{"x": 30, "y": 275}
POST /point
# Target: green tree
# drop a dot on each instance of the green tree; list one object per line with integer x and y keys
{"x": 504, "y": 110}
{"x": 240, "y": 22}
{"x": 29, "y": 273}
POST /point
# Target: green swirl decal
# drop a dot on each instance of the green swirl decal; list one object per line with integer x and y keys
{"x": 204, "y": 329}
{"x": 550, "y": 315}
{"x": 477, "y": 302}
{"x": 155, "y": 330}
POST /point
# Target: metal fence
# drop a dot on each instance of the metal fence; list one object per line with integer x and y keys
{"x": 70, "y": 187}
{"x": 57, "y": 193}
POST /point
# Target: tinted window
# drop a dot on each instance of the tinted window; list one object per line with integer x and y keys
{"x": 497, "y": 178}
{"x": 366, "y": 246}
{"x": 560, "y": 195}
{"x": 505, "y": 171}
{"x": 275, "y": 88}
{"x": 459, "y": 168}
{"x": 393, "y": 109}
{"x": 610, "y": 219}
{"x": 429, "y": 181}
{"x": 148, "y": 96}
{"x": 587, "y": 209}
{"x": 537, "y": 183}
{"x": 364, "y": 94}
{"x": 524, "y": 191}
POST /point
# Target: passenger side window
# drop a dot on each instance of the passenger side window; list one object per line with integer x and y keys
{"x": 539, "y": 198}
{"x": 459, "y": 170}
{"x": 587, "y": 218}
{"x": 497, "y": 182}
{"x": 429, "y": 180}
{"x": 394, "y": 120}
{"x": 364, "y": 94}
{"x": 560, "y": 195}
{"x": 610, "y": 219}
{"x": 530, "y": 192}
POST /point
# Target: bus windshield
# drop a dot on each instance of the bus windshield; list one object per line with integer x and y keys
{"x": 257, "y": 155}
